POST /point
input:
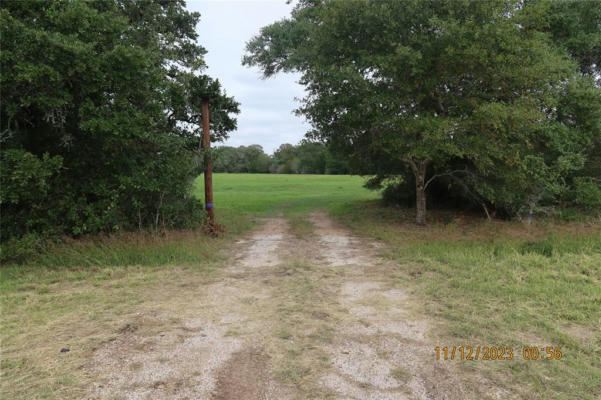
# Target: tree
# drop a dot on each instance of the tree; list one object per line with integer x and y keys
{"x": 574, "y": 26}
{"x": 312, "y": 157}
{"x": 287, "y": 160}
{"x": 224, "y": 159}
{"x": 250, "y": 159}
{"x": 430, "y": 84}
{"x": 100, "y": 111}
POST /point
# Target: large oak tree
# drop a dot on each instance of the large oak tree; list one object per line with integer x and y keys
{"x": 432, "y": 85}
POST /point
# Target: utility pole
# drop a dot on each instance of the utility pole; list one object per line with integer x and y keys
{"x": 208, "y": 164}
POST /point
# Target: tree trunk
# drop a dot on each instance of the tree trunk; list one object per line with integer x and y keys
{"x": 419, "y": 171}
{"x": 420, "y": 193}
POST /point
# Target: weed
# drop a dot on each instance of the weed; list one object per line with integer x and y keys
{"x": 400, "y": 374}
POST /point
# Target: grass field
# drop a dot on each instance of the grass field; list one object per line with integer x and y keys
{"x": 478, "y": 283}
{"x": 272, "y": 194}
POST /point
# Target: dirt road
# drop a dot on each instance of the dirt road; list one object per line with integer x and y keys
{"x": 318, "y": 315}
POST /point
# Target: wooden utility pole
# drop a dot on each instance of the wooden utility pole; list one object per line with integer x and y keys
{"x": 206, "y": 144}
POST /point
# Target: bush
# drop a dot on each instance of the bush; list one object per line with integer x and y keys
{"x": 99, "y": 129}
{"x": 19, "y": 248}
{"x": 587, "y": 192}
{"x": 27, "y": 182}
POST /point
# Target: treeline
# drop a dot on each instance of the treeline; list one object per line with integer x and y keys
{"x": 304, "y": 158}
{"x": 100, "y": 118}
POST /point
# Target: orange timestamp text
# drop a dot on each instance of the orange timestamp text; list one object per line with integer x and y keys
{"x": 502, "y": 353}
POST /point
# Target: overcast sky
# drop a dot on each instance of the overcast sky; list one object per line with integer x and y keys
{"x": 266, "y": 105}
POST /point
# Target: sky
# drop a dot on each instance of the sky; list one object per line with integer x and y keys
{"x": 266, "y": 105}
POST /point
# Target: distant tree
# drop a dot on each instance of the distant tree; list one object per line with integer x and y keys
{"x": 256, "y": 159}
{"x": 224, "y": 159}
{"x": 312, "y": 157}
{"x": 336, "y": 164}
{"x": 287, "y": 159}
{"x": 432, "y": 86}
{"x": 241, "y": 159}
{"x": 304, "y": 158}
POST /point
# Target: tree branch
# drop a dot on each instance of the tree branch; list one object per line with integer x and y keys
{"x": 411, "y": 164}
{"x": 444, "y": 174}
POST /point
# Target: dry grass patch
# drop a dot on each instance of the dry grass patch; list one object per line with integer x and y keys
{"x": 76, "y": 315}
{"x": 81, "y": 295}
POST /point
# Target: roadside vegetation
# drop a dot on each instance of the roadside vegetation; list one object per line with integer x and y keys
{"x": 53, "y": 319}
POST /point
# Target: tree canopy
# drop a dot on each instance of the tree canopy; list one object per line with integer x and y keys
{"x": 100, "y": 115}
{"x": 468, "y": 90}
{"x": 573, "y": 25}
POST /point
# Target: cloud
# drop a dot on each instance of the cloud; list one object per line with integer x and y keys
{"x": 266, "y": 105}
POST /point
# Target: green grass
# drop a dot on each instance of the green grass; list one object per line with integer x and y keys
{"x": 273, "y": 194}
{"x": 503, "y": 283}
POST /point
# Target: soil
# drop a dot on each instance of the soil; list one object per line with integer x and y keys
{"x": 266, "y": 246}
{"x": 246, "y": 377}
{"x": 227, "y": 342}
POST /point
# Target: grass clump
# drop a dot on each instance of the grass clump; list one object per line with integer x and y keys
{"x": 400, "y": 374}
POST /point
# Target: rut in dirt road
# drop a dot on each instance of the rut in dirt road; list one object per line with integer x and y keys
{"x": 245, "y": 377}
{"x": 382, "y": 351}
{"x": 267, "y": 245}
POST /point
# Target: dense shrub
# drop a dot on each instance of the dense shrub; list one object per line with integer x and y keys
{"x": 27, "y": 188}
{"x": 587, "y": 192}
